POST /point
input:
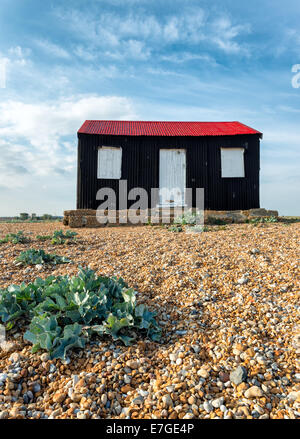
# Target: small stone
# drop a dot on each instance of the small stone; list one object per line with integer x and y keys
{"x": 138, "y": 401}
{"x": 265, "y": 416}
{"x": 132, "y": 364}
{"x": 104, "y": 398}
{"x": 3, "y": 377}
{"x": 14, "y": 412}
{"x": 4, "y": 414}
{"x": 173, "y": 415}
{"x": 75, "y": 380}
{"x": 126, "y": 389}
{"x": 242, "y": 387}
{"x": 80, "y": 383}
{"x": 188, "y": 416}
{"x": 55, "y": 413}
{"x": 52, "y": 368}
{"x": 243, "y": 410}
{"x": 250, "y": 352}
{"x": 243, "y": 280}
{"x": 203, "y": 373}
{"x": 170, "y": 389}
{"x": 15, "y": 357}
{"x": 216, "y": 403}
{"x": 36, "y": 388}
{"x": 44, "y": 357}
{"x": 127, "y": 379}
{"x": 125, "y": 411}
{"x": 179, "y": 361}
{"x": 7, "y": 346}
{"x": 81, "y": 415}
{"x": 259, "y": 409}
{"x": 173, "y": 357}
{"x": 208, "y": 407}
{"x": 293, "y": 396}
{"x": 167, "y": 401}
{"x": 238, "y": 375}
{"x": 59, "y": 397}
{"x": 191, "y": 400}
{"x": 261, "y": 360}
{"x": 224, "y": 377}
{"x": 183, "y": 332}
{"x": 118, "y": 408}
{"x": 164, "y": 413}
{"x": 253, "y": 392}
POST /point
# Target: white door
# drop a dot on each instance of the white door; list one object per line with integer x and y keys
{"x": 172, "y": 177}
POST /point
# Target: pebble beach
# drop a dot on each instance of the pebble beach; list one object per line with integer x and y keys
{"x": 227, "y": 301}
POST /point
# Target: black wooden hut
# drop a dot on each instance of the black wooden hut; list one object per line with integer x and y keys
{"x": 221, "y": 157}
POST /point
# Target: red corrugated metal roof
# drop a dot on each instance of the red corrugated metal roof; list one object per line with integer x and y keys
{"x": 160, "y": 128}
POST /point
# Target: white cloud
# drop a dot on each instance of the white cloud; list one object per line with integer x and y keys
{"x": 109, "y": 71}
{"x": 15, "y": 57}
{"x": 182, "y": 57}
{"x": 136, "y": 49}
{"x": 115, "y": 33}
{"x": 19, "y": 53}
{"x": 171, "y": 31}
{"x": 289, "y": 135}
{"x": 84, "y": 53}
{"x": 33, "y": 135}
{"x": 224, "y": 34}
{"x": 52, "y": 49}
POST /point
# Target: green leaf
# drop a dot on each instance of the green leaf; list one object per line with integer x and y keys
{"x": 65, "y": 310}
{"x": 35, "y": 257}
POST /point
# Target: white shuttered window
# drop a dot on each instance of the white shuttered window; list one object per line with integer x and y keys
{"x": 109, "y": 162}
{"x": 232, "y": 162}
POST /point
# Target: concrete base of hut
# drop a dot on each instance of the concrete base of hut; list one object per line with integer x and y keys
{"x": 87, "y": 217}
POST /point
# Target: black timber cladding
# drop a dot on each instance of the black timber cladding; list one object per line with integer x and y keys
{"x": 140, "y": 167}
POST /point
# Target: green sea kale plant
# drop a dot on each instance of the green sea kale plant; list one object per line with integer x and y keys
{"x": 175, "y": 229}
{"x": 14, "y": 238}
{"x": 36, "y": 257}
{"x": 63, "y": 312}
{"x": 58, "y": 237}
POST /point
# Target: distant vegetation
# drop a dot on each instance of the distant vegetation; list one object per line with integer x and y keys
{"x": 30, "y": 218}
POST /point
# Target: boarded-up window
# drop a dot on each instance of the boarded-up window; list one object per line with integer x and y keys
{"x": 232, "y": 162}
{"x": 109, "y": 162}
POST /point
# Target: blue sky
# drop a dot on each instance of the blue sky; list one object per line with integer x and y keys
{"x": 67, "y": 61}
